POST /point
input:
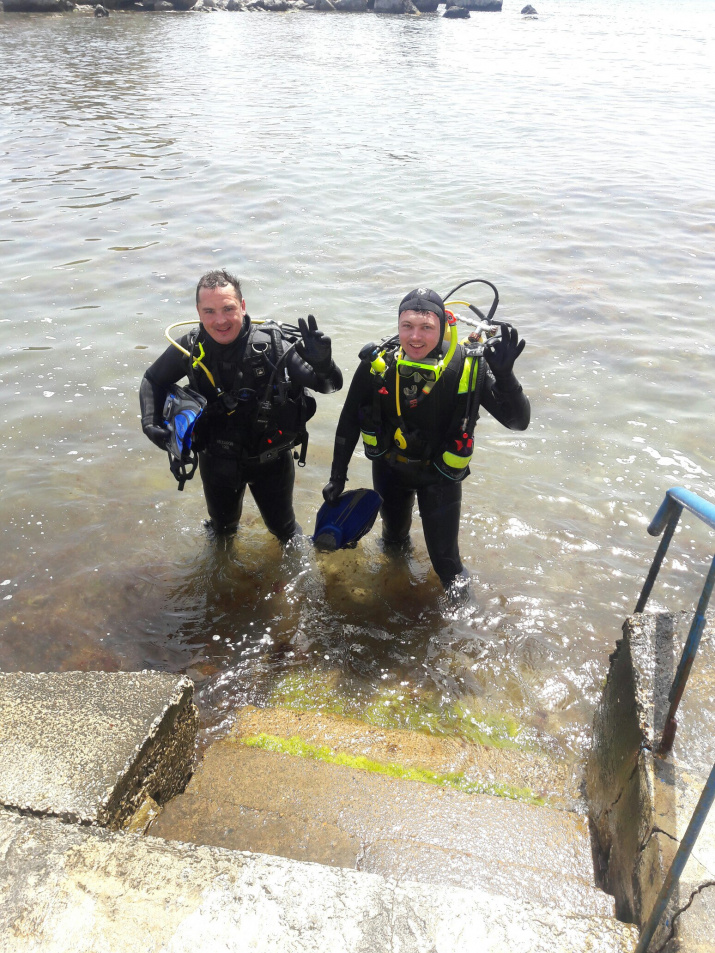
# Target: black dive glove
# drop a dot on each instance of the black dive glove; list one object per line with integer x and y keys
{"x": 159, "y": 436}
{"x": 501, "y": 355}
{"x": 315, "y": 348}
{"x": 333, "y": 489}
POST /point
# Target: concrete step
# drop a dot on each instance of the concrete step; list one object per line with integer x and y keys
{"x": 488, "y": 768}
{"x": 244, "y": 798}
{"x": 90, "y": 747}
{"x": 66, "y": 888}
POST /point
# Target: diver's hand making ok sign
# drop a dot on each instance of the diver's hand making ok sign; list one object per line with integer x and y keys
{"x": 315, "y": 348}
{"x": 501, "y": 352}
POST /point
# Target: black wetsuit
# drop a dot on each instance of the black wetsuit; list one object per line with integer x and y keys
{"x": 432, "y": 425}
{"x": 236, "y": 449}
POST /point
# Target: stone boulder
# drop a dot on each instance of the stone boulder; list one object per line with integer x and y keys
{"x": 477, "y": 5}
{"x": 276, "y": 6}
{"x": 204, "y": 6}
{"x": 395, "y": 6}
{"x": 323, "y": 5}
{"x": 235, "y": 6}
{"x": 427, "y": 6}
{"x": 37, "y": 6}
{"x": 529, "y": 11}
{"x": 351, "y": 6}
{"x": 456, "y": 13}
{"x": 162, "y": 5}
{"x": 100, "y": 11}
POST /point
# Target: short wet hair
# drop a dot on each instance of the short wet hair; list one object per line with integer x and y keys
{"x": 218, "y": 279}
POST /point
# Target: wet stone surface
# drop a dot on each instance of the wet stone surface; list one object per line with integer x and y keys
{"x": 641, "y": 804}
{"x": 554, "y": 780}
{"x": 248, "y": 799}
{"x": 68, "y": 888}
{"x": 89, "y": 747}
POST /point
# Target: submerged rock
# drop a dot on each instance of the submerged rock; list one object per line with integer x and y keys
{"x": 456, "y": 13}
{"x": 529, "y": 11}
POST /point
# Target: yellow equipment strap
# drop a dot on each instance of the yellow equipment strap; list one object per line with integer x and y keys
{"x": 202, "y": 354}
{"x": 464, "y": 380}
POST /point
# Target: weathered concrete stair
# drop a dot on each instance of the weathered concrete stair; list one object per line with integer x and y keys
{"x": 80, "y": 751}
{"x": 244, "y": 798}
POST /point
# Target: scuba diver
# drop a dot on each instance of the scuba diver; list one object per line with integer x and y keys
{"x": 414, "y": 399}
{"x": 246, "y": 407}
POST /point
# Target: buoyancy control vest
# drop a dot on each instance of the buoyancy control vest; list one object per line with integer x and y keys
{"x": 255, "y": 412}
{"x": 433, "y": 429}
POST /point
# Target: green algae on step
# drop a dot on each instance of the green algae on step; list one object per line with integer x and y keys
{"x": 302, "y": 749}
{"x": 402, "y": 707}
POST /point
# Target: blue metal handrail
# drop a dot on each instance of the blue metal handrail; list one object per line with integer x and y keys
{"x": 679, "y": 861}
{"x": 676, "y": 500}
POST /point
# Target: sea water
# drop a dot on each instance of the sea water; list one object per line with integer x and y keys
{"x": 334, "y": 162}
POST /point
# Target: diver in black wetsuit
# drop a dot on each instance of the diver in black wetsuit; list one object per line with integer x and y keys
{"x": 254, "y": 380}
{"x": 420, "y": 436}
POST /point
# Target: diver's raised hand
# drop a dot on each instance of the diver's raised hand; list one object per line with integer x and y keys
{"x": 159, "y": 436}
{"x": 315, "y": 348}
{"x": 503, "y": 351}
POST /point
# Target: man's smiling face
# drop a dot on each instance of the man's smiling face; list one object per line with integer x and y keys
{"x": 221, "y": 313}
{"x": 419, "y": 333}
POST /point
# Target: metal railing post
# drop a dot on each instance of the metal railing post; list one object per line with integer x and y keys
{"x": 677, "y": 499}
{"x": 659, "y": 556}
{"x": 686, "y": 662}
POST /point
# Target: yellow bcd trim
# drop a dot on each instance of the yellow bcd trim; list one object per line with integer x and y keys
{"x": 400, "y": 440}
{"x": 466, "y": 374}
{"x": 457, "y": 463}
{"x": 369, "y": 438}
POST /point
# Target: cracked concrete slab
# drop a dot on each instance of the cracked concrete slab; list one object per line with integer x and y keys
{"x": 86, "y": 890}
{"x": 641, "y": 804}
{"x": 249, "y": 799}
{"x": 89, "y": 747}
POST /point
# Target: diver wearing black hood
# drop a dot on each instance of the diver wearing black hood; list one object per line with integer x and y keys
{"x": 415, "y": 403}
{"x": 254, "y": 380}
